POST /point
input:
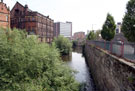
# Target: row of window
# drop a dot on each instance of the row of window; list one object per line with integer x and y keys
{"x": 45, "y": 34}
{"x": 16, "y": 20}
{"x": 45, "y": 21}
{"x": 45, "y": 26}
{"x": 27, "y": 19}
{"x": 45, "y": 40}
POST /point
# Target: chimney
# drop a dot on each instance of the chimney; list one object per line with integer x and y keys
{"x": 26, "y": 8}
{"x": 48, "y": 16}
{"x": 2, "y": 1}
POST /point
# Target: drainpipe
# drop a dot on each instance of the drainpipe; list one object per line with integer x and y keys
{"x": 134, "y": 48}
{"x": 122, "y": 48}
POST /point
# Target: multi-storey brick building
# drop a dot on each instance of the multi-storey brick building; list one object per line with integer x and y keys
{"x": 4, "y": 15}
{"x": 33, "y": 22}
{"x": 79, "y": 36}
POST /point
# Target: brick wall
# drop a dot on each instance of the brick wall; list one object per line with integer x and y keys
{"x": 33, "y": 22}
{"x": 4, "y": 16}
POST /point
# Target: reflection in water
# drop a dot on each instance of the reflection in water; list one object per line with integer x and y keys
{"x": 77, "y": 62}
{"x": 77, "y": 49}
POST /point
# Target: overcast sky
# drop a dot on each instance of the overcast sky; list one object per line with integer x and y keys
{"x": 82, "y": 13}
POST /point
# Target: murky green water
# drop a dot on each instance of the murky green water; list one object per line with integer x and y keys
{"x": 77, "y": 62}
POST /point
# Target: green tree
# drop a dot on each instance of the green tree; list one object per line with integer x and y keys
{"x": 108, "y": 29}
{"x": 63, "y": 44}
{"x": 97, "y": 34}
{"x": 91, "y": 36}
{"x": 128, "y": 25}
{"x": 74, "y": 43}
{"x": 27, "y": 65}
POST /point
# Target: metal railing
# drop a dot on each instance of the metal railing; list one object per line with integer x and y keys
{"x": 119, "y": 48}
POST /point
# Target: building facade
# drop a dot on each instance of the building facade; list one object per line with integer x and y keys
{"x": 56, "y": 29}
{"x": 118, "y": 27}
{"x": 4, "y": 15}
{"x": 33, "y": 22}
{"x": 79, "y": 36}
{"x": 64, "y": 29}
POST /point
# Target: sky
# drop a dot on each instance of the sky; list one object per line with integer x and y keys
{"x": 84, "y": 14}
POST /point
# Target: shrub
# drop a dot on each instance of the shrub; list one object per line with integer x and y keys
{"x": 26, "y": 65}
{"x": 63, "y": 44}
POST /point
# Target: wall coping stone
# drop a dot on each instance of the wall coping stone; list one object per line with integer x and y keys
{"x": 119, "y": 59}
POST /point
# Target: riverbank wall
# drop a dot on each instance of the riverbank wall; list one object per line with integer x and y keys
{"x": 109, "y": 72}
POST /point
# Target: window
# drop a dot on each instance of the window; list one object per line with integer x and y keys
{"x": 6, "y": 17}
{"x": 33, "y": 19}
{"x": 17, "y": 12}
{"x": 28, "y": 18}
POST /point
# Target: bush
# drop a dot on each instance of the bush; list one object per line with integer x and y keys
{"x": 26, "y": 65}
{"x": 91, "y": 36}
{"x": 74, "y": 43}
{"x": 63, "y": 44}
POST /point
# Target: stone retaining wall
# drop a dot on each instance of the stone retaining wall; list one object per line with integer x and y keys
{"x": 109, "y": 72}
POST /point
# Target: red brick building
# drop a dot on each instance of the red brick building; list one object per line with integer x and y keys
{"x": 33, "y": 22}
{"x": 4, "y": 15}
{"x": 79, "y": 36}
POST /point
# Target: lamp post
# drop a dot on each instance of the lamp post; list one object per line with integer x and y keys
{"x": 93, "y": 26}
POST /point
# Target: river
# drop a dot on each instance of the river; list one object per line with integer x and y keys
{"x": 77, "y": 62}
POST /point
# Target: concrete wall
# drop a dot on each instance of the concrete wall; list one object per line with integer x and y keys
{"x": 110, "y": 72}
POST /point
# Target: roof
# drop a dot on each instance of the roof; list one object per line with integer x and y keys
{"x": 5, "y": 6}
{"x": 30, "y": 10}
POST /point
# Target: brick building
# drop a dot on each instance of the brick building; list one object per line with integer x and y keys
{"x": 4, "y": 15}
{"x": 56, "y": 29}
{"x": 79, "y": 36}
{"x": 33, "y": 22}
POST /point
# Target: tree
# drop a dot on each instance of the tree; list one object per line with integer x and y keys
{"x": 108, "y": 29}
{"x": 27, "y": 65}
{"x": 63, "y": 44}
{"x": 74, "y": 43}
{"x": 91, "y": 36}
{"x": 98, "y": 32}
{"x": 128, "y": 25}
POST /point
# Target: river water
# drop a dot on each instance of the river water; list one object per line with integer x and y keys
{"x": 77, "y": 62}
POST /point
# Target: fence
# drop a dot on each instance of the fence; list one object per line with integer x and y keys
{"x": 119, "y": 48}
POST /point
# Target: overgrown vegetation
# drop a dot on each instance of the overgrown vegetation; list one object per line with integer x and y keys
{"x": 74, "y": 43}
{"x": 93, "y": 35}
{"x": 26, "y": 65}
{"x": 63, "y": 44}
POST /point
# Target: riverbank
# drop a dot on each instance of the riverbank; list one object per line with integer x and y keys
{"x": 77, "y": 62}
{"x": 110, "y": 73}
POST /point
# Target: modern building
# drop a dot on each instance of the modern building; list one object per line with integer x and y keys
{"x": 64, "y": 29}
{"x": 79, "y": 36}
{"x": 4, "y": 15}
{"x": 33, "y": 22}
{"x": 118, "y": 27}
{"x": 119, "y": 36}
